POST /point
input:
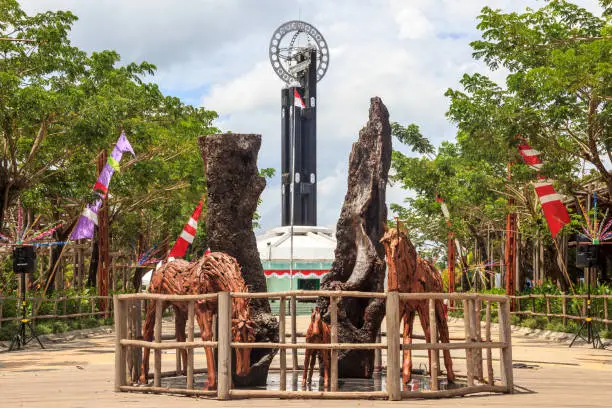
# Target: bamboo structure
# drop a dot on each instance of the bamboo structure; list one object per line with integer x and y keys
{"x": 472, "y": 344}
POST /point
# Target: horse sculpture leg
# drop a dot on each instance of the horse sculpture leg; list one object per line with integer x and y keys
{"x": 180, "y": 322}
{"x": 147, "y": 335}
{"x": 313, "y": 364}
{"x": 204, "y": 318}
{"x": 407, "y": 339}
{"x": 424, "y": 318}
{"x": 307, "y": 376}
{"x": 326, "y": 357}
{"x": 444, "y": 338}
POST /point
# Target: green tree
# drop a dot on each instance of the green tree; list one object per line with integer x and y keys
{"x": 557, "y": 93}
{"x": 62, "y": 106}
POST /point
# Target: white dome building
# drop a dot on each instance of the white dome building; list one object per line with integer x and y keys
{"x": 313, "y": 254}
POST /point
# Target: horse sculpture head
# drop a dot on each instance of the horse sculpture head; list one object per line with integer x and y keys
{"x": 401, "y": 256}
{"x": 243, "y": 331}
{"x": 316, "y": 323}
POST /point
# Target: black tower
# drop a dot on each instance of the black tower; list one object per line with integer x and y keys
{"x": 300, "y": 124}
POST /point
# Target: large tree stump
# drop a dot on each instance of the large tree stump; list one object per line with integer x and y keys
{"x": 360, "y": 257}
{"x": 233, "y": 189}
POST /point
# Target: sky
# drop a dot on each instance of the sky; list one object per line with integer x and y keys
{"x": 214, "y": 53}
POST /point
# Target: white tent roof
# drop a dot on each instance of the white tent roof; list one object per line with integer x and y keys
{"x": 146, "y": 278}
{"x": 309, "y": 243}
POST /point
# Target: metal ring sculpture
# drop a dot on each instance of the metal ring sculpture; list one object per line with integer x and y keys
{"x": 285, "y": 44}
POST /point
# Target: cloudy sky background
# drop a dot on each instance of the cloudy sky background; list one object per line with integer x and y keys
{"x": 215, "y": 53}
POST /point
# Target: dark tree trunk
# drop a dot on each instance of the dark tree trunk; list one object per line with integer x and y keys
{"x": 61, "y": 236}
{"x": 553, "y": 269}
{"x": 360, "y": 257}
{"x": 92, "y": 276}
{"x": 233, "y": 190}
{"x": 55, "y": 256}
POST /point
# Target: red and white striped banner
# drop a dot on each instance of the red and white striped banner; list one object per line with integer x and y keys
{"x": 182, "y": 243}
{"x": 297, "y": 273}
{"x": 554, "y": 210}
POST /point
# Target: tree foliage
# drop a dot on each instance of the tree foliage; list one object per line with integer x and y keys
{"x": 62, "y": 106}
{"x": 557, "y": 95}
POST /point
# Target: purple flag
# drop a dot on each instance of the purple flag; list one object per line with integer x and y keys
{"x": 112, "y": 164}
{"x": 87, "y": 222}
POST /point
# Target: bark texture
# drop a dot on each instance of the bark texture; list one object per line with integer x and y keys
{"x": 359, "y": 256}
{"x": 233, "y": 189}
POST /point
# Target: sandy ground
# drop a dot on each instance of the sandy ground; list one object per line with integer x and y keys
{"x": 79, "y": 373}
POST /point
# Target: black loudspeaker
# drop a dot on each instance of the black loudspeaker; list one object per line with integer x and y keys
{"x": 586, "y": 256}
{"x": 24, "y": 259}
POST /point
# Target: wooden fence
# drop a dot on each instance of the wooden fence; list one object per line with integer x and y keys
{"x": 535, "y": 302}
{"x": 473, "y": 344}
{"x": 63, "y": 307}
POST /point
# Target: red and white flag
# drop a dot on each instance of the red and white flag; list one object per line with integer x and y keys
{"x": 182, "y": 243}
{"x": 554, "y": 210}
{"x": 297, "y": 99}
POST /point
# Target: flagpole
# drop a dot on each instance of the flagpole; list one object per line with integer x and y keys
{"x": 291, "y": 190}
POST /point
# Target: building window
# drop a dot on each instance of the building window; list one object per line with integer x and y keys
{"x": 308, "y": 284}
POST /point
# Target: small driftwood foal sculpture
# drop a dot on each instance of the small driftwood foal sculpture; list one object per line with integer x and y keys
{"x": 215, "y": 272}
{"x": 318, "y": 333}
{"x": 407, "y": 272}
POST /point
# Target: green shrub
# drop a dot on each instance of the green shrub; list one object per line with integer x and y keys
{"x": 60, "y": 326}
{"x": 89, "y": 323}
{"x": 44, "y": 328}
{"x": 530, "y": 322}
{"x": 8, "y": 330}
{"x": 9, "y": 308}
{"x": 555, "y": 326}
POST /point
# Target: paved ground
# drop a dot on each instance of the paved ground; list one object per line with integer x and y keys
{"x": 79, "y": 373}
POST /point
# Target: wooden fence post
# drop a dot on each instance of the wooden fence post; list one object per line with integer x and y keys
{"x": 605, "y": 307}
{"x": 547, "y": 299}
{"x": 292, "y": 311}
{"x": 224, "y": 348}
{"x": 378, "y": 354}
{"x": 134, "y": 354}
{"x": 333, "y": 308}
{"x": 178, "y": 353}
{"x": 477, "y": 336}
{"x": 190, "y": 323}
{"x": 159, "y": 311}
{"x": 120, "y": 333}
{"x": 564, "y": 309}
{"x": 434, "y": 364}
{"x": 505, "y": 335}
{"x": 469, "y": 362}
{"x": 490, "y": 375}
{"x": 393, "y": 346}
{"x": 281, "y": 337}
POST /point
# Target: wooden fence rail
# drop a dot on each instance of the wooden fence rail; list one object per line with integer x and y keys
{"x": 472, "y": 344}
{"x": 600, "y": 306}
{"x": 92, "y": 302}
{"x": 599, "y": 315}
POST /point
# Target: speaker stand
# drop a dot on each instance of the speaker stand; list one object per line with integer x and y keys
{"x": 22, "y": 338}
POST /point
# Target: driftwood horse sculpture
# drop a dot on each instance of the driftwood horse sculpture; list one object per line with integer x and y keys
{"x": 318, "y": 333}
{"x": 407, "y": 272}
{"x": 215, "y": 272}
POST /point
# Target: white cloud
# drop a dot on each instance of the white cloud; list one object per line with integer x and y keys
{"x": 215, "y": 52}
